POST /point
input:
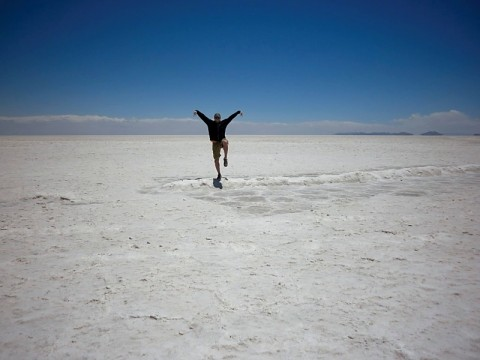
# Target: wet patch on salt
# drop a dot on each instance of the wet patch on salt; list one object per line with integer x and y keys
{"x": 414, "y": 193}
{"x": 282, "y": 195}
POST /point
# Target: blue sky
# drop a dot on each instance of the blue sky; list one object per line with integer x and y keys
{"x": 360, "y": 65}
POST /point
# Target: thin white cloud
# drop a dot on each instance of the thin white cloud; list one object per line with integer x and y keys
{"x": 450, "y": 122}
{"x": 96, "y": 125}
{"x": 57, "y": 118}
{"x": 311, "y": 127}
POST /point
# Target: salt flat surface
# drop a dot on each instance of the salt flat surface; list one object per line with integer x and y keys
{"x": 312, "y": 248}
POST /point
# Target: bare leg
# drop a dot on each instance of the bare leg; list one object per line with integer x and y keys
{"x": 217, "y": 165}
{"x": 225, "y": 147}
{"x": 225, "y": 151}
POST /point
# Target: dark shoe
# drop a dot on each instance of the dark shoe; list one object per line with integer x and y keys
{"x": 225, "y": 162}
{"x": 219, "y": 177}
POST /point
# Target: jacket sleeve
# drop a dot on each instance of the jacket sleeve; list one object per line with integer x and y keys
{"x": 205, "y": 119}
{"x": 231, "y": 117}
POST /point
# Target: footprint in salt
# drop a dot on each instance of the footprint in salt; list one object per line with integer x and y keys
{"x": 414, "y": 193}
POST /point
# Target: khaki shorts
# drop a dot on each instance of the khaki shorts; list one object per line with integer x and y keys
{"x": 216, "y": 147}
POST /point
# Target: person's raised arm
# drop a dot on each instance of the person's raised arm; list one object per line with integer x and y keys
{"x": 231, "y": 117}
{"x": 202, "y": 116}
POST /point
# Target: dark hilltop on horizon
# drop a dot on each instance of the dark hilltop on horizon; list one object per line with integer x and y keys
{"x": 432, "y": 133}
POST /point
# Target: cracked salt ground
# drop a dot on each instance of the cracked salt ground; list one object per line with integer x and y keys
{"x": 354, "y": 260}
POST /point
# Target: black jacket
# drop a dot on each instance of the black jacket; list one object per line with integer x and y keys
{"x": 216, "y": 131}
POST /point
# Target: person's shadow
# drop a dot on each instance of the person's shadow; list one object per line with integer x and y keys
{"x": 217, "y": 184}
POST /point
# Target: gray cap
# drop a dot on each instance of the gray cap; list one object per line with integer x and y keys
{"x": 217, "y": 116}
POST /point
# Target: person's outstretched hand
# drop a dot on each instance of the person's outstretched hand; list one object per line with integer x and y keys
{"x": 241, "y": 113}
{"x": 194, "y": 112}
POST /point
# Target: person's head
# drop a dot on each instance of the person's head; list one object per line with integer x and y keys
{"x": 217, "y": 117}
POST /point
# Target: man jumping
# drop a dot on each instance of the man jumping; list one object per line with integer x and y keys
{"x": 216, "y": 131}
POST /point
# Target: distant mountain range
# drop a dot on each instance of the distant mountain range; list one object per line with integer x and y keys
{"x": 429, "y": 133}
{"x": 373, "y": 133}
